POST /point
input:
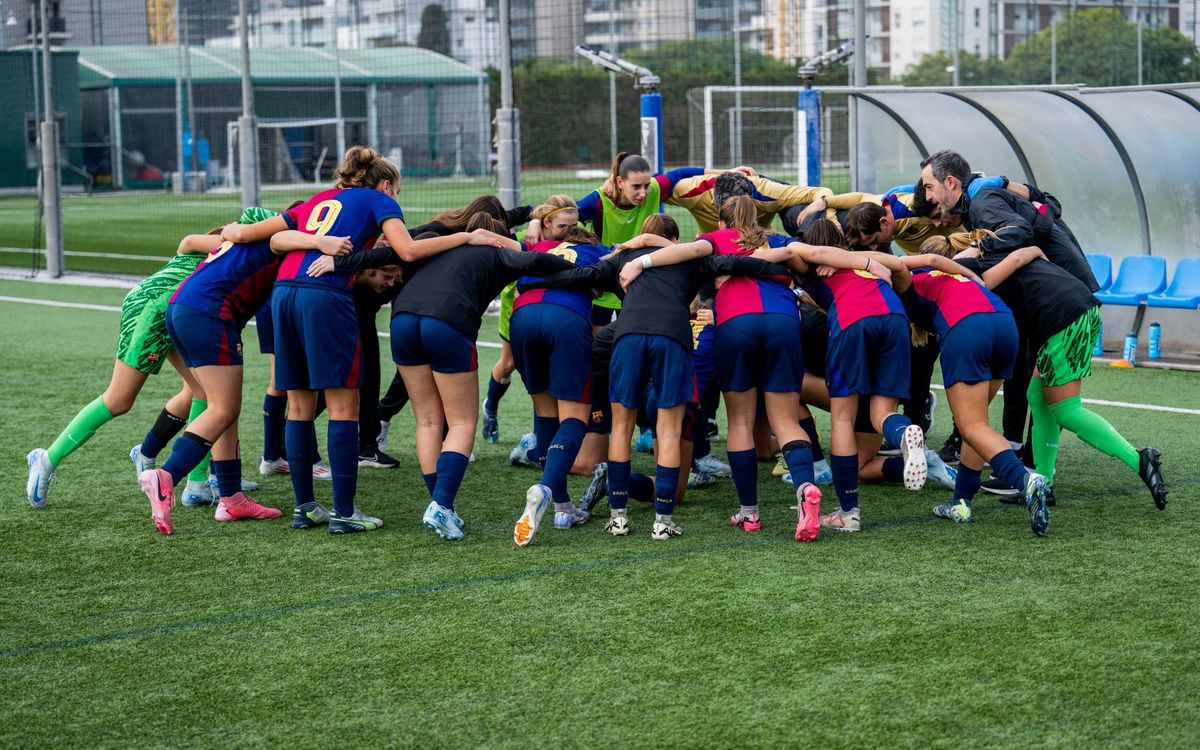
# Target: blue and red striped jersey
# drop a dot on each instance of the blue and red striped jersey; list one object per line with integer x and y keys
{"x": 856, "y": 295}
{"x": 576, "y": 300}
{"x": 943, "y": 299}
{"x": 232, "y": 282}
{"x": 357, "y": 213}
{"x": 745, "y": 295}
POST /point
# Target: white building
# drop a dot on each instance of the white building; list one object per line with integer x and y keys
{"x": 901, "y": 32}
{"x": 473, "y": 26}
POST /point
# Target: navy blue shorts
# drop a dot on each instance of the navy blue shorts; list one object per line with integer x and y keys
{"x": 978, "y": 348}
{"x": 871, "y": 357}
{"x": 317, "y": 344}
{"x": 423, "y": 340}
{"x": 640, "y": 359}
{"x": 265, "y": 325}
{"x": 763, "y": 351}
{"x": 202, "y": 339}
{"x": 552, "y": 348}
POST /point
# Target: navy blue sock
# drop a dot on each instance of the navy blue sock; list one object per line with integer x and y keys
{"x": 300, "y": 437}
{"x": 798, "y": 455}
{"x": 618, "y": 484}
{"x": 451, "y": 467}
{"x": 893, "y": 469}
{"x": 666, "y": 479}
{"x": 564, "y": 447}
{"x": 641, "y": 487}
{"x": 274, "y": 421}
{"x": 342, "y": 442}
{"x": 1007, "y": 465}
{"x": 743, "y": 467}
{"x": 810, "y": 428}
{"x": 966, "y": 484}
{"x": 229, "y": 476}
{"x": 495, "y": 392}
{"x": 543, "y": 431}
{"x": 845, "y": 480}
{"x": 189, "y": 450}
{"x": 893, "y": 428}
{"x": 165, "y": 427}
{"x": 430, "y": 482}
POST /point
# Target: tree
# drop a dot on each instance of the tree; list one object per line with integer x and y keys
{"x": 1098, "y": 47}
{"x": 973, "y": 71}
{"x": 435, "y": 29}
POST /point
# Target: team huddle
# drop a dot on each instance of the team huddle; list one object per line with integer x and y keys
{"x": 615, "y": 322}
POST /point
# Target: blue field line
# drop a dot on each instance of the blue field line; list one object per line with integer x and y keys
{"x": 519, "y": 575}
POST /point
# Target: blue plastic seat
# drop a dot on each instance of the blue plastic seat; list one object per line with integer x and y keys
{"x": 1139, "y": 277}
{"x": 1184, "y": 291}
{"x": 1101, "y": 268}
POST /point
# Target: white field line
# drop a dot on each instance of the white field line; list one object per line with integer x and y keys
{"x": 491, "y": 345}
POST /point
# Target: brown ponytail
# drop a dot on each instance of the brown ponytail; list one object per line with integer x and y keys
{"x": 739, "y": 213}
{"x": 365, "y": 167}
{"x": 662, "y": 225}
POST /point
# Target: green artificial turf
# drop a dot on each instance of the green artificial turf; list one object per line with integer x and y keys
{"x": 914, "y": 632}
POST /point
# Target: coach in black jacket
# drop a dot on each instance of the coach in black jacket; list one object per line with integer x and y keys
{"x": 1016, "y": 221}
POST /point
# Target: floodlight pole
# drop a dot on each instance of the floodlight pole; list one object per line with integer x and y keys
{"x": 337, "y": 85}
{"x": 508, "y": 121}
{"x": 647, "y": 82}
{"x": 51, "y": 187}
{"x": 860, "y": 80}
{"x": 247, "y": 132}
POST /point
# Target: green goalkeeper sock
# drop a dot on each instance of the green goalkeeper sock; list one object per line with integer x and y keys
{"x": 89, "y": 419}
{"x": 1045, "y": 430}
{"x": 1094, "y": 430}
{"x": 200, "y": 473}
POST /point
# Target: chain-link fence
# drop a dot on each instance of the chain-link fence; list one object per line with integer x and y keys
{"x": 147, "y": 95}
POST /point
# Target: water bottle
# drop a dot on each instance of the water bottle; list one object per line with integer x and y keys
{"x": 1130, "y": 353}
{"x": 1155, "y": 339}
{"x": 1098, "y": 349}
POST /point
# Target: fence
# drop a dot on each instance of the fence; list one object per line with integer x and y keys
{"x": 140, "y": 86}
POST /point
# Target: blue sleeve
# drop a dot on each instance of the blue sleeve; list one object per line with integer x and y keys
{"x": 290, "y": 219}
{"x": 668, "y": 180}
{"x": 779, "y": 240}
{"x": 979, "y": 183}
{"x": 590, "y": 207}
{"x": 384, "y": 207}
{"x": 901, "y": 189}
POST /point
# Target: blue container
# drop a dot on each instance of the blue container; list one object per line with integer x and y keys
{"x": 1155, "y": 340}
{"x": 1130, "y": 352}
{"x": 1098, "y": 349}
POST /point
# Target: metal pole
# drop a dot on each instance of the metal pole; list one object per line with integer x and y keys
{"x": 860, "y": 42}
{"x": 248, "y": 134}
{"x": 191, "y": 109}
{"x": 612, "y": 79}
{"x": 51, "y": 189}
{"x": 337, "y": 85}
{"x": 33, "y": 62}
{"x": 737, "y": 81}
{"x": 1053, "y": 51}
{"x": 508, "y": 123}
{"x": 955, "y": 31}
{"x": 1137, "y": 14}
{"x": 179, "y": 168}
{"x": 860, "y": 79}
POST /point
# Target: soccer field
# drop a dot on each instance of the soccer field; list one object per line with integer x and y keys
{"x": 914, "y": 632}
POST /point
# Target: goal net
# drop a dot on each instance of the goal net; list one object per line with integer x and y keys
{"x": 766, "y": 128}
{"x": 290, "y": 150}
